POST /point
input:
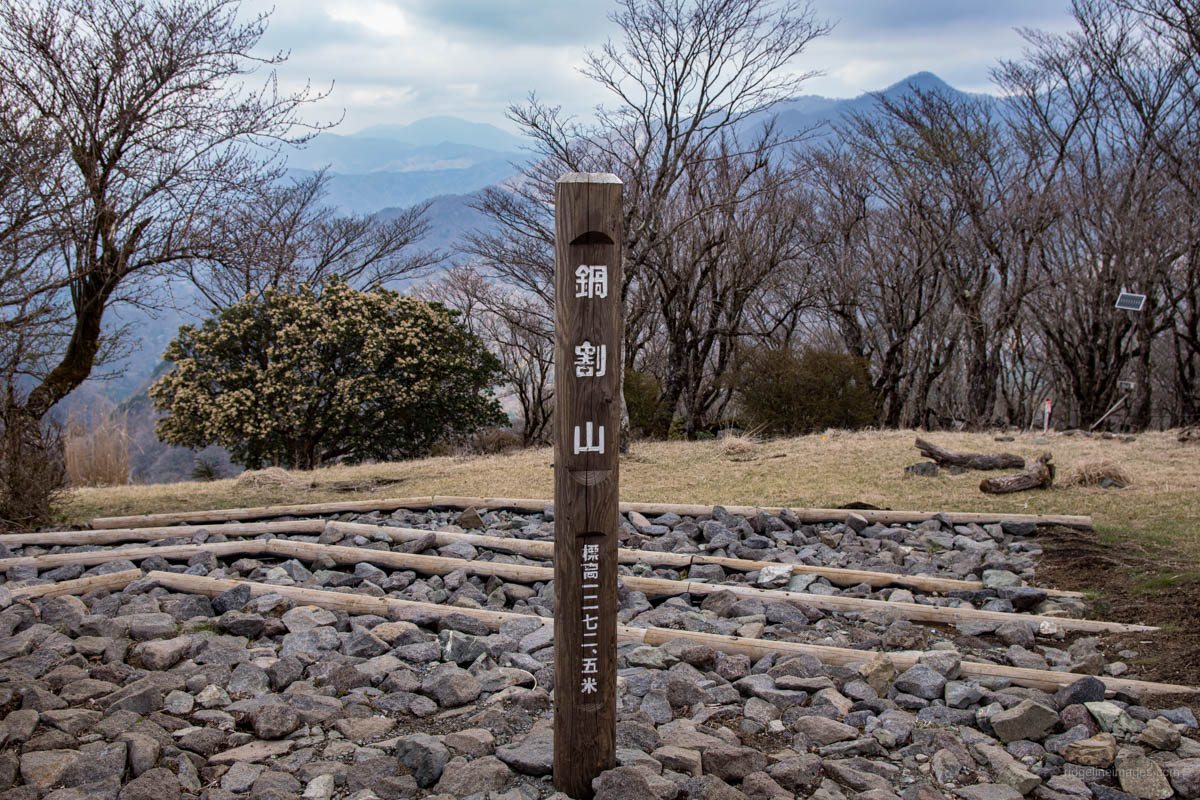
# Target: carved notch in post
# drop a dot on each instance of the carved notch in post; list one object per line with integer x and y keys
{"x": 587, "y": 363}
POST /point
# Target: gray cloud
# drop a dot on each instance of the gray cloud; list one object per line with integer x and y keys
{"x": 401, "y": 60}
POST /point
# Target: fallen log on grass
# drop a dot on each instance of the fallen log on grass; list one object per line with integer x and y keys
{"x": 969, "y": 460}
{"x": 350, "y": 603}
{"x": 1039, "y": 475}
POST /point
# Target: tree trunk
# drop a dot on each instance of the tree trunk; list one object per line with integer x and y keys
{"x": 1040, "y": 475}
{"x": 969, "y": 460}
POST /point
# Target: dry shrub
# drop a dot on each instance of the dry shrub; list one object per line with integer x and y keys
{"x": 271, "y": 478}
{"x": 738, "y": 445}
{"x": 32, "y": 475}
{"x": 1091, "y": 473}
{"x": 96, "y": 447}
{"x": 490, "y": 441}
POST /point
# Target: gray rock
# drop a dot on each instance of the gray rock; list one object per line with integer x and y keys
{"x": 451, "y": 686}
{"x": 1184, "y": 775}
{"x": 732, "y": 763}
{"x": 462, "y": 778}
{"x": 823, "y": 731}
{"x": 232, "y": 600}
{"x": 275, "y": 721}
{"x": 921, "y": 681}
{"x": 425, "y": 757}
{"x": 532, "y": 755}
{"x": 627, "y": 783}
{"x": 1141, "y": 777}
{"x": 1026, "y": 720}
{"x": 1084, "y": 690}
{"x": 154, "y": 784}
{"x": 988, "y": 791}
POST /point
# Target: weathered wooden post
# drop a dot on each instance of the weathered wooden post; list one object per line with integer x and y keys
{"x": 587, "y": 364}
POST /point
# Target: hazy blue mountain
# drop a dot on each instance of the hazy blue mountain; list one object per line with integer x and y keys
{"x": 368, "y": 192}
{"x": 435, "y": 130}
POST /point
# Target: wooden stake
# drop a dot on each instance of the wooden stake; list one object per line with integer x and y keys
{"x": 805, "y": 515}
{"x": 587, "y": 440}
{"x": 754, "y": 648}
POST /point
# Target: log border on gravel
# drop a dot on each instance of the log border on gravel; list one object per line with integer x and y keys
{"x": 805, "y": 515}
{"x": 150, "y": 534}
{"x": 652, "y": 587}
{"x": 755, "y": 648}
{"x": 543, "y": 548}
{"x": 113, "y": 580}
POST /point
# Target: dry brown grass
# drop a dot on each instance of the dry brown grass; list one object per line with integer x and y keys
{"x": 271, "y": 477}
{"x": 1093, "y": 473}
{"x": 738, "y": 445}
{"x": 96, "y": 448}
{"x": 822, "y": 470}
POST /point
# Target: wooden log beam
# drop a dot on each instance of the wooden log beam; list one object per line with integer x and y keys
{"x": 180, "y": 552}
{"x": 151, "y": 534}
{"x": 527, "y": 573}
{"x": 545, "y": 549}
{"x": 806, "y": 515}
{"x": 969, "y": 460}
{"x": 113, "y": 580}
{"x": 755, "y": 648}
{"x": 1040, "y": 475}
{"x": 537, "y": 549}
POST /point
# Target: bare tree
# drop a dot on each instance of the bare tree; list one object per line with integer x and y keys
{"x": 685, "y": 77}
{"x": 156, "y": 126}
{"x": 283, "y": 236}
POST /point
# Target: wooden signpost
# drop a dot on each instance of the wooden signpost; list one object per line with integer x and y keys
{"x": 587, "y": 364}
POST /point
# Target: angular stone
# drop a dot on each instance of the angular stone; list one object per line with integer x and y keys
{"x": 628, "y": 783}
{"x": 1113, "y": 719}
{"x": 1084, "y": 690}
{"x": 1141, "y": 777}
{"x": 232, "y": 600}
{"x": 451, "y": 686}
{"x": 679, "y": 759}
{"x": 823, "y": 731}
{"x": 162, "y": 654}
{"x": 988, "y": 791}
{"x": 879, "y": 673}
{"x": 1027, "y": 720}
{"x": 463, "y": 778}
{"x": 42, "y": 769}
{"x": 921, "y": 681}
{"x": 154, "y": 784}
{"x": 425, "y": 757}
{"x": 1095, "y": 751}
{"x": 532, "y": 755}
{"x": 306, "y": 618}
{"x": 1184, "y": 775}
{"x": 275, "y": 721}
{"x": 732, "y": 763}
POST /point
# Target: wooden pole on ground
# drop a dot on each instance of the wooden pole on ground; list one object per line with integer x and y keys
{"x": 352, "y": 603}
{"x": 545, "y": 549}
{"x": 805, "y": 515}
{"x": 114, "y": 535}
{"x": 587, "y": 439}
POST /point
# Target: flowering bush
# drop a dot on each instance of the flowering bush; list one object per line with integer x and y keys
{"x": 299, "y": 379}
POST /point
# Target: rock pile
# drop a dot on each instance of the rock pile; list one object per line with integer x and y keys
{"x": 150, "y": 694}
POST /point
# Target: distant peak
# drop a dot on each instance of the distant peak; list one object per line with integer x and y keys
{"x": 920, "y": 81}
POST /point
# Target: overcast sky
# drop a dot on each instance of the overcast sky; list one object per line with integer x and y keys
{"x": 396, "y": 61}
